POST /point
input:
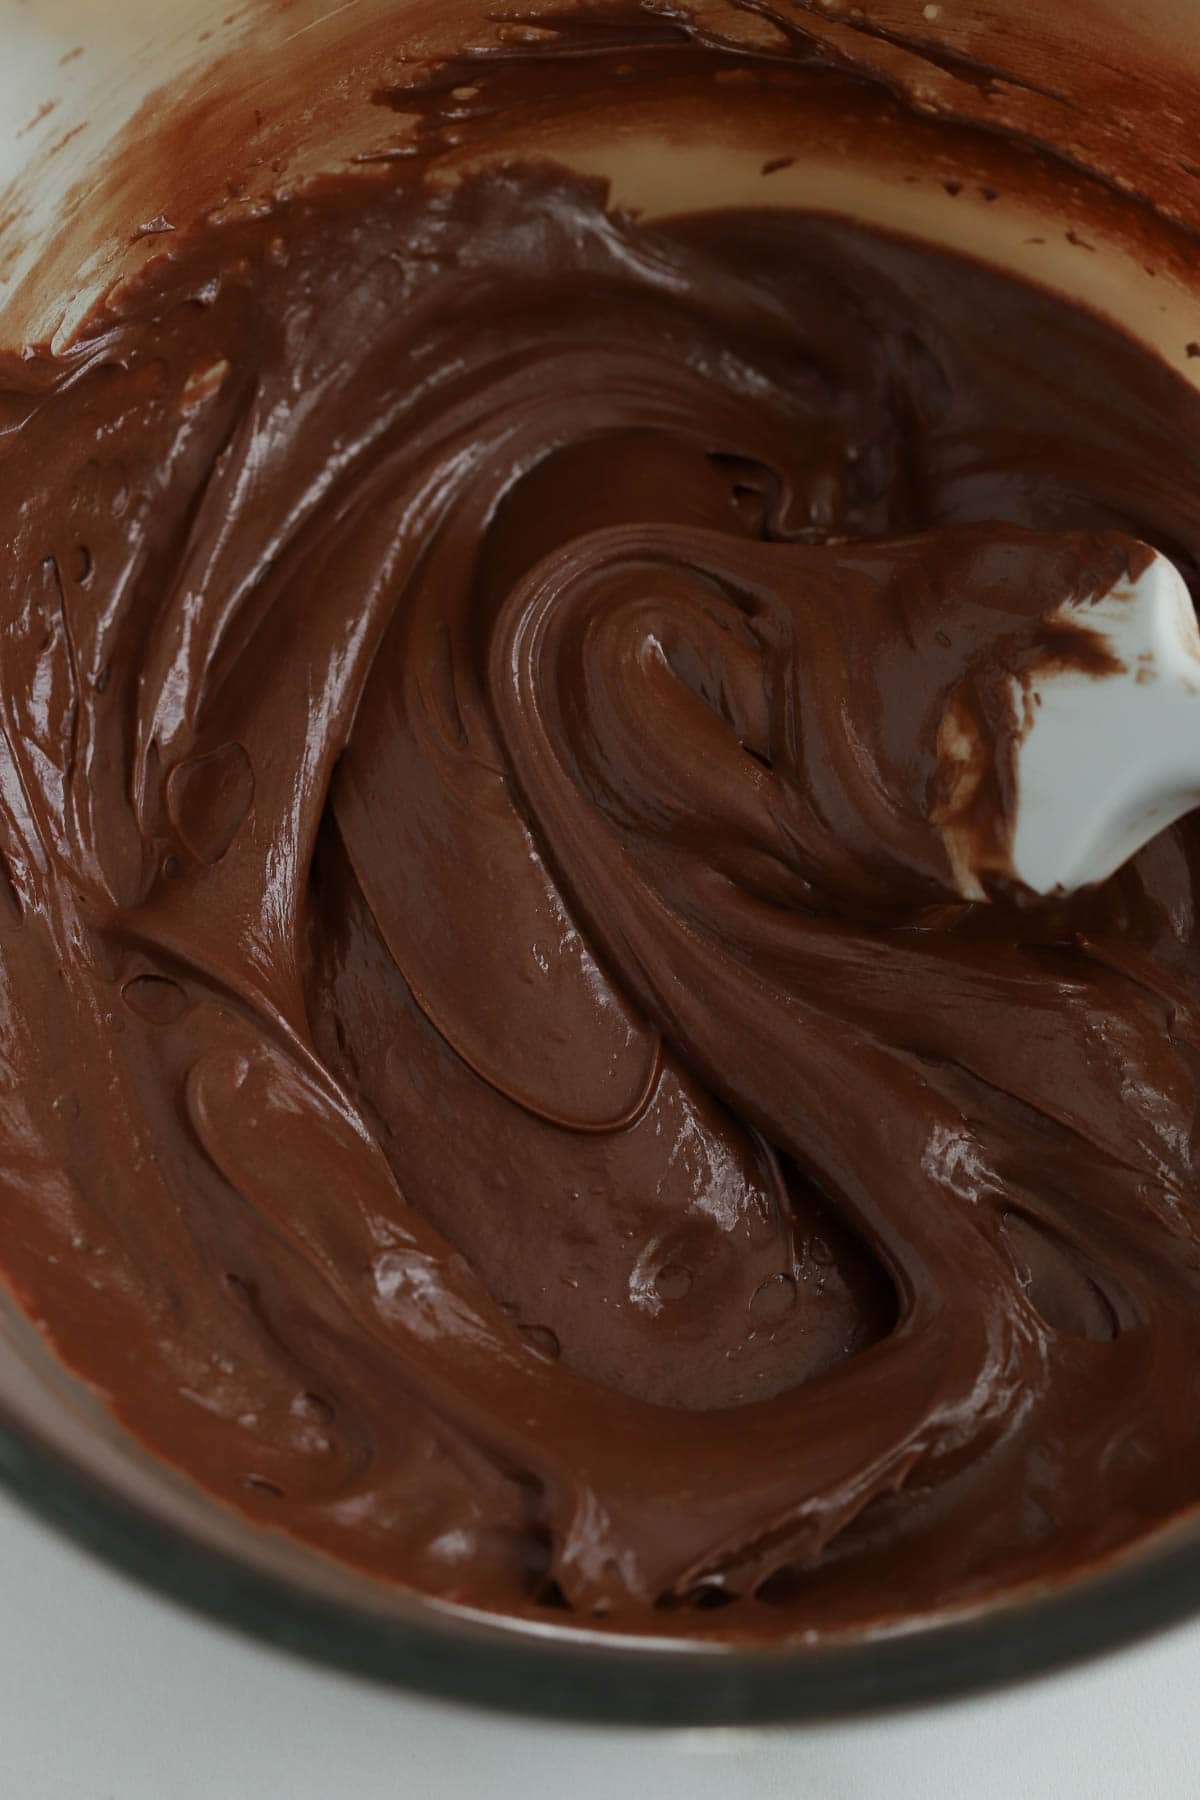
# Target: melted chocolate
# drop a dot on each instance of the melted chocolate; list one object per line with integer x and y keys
{"x": 497, "y": 1080}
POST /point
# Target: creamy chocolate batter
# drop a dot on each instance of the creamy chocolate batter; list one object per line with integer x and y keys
{"x": 497, "y": 1080}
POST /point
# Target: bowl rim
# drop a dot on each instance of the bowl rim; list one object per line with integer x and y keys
{"x": 450, "y": 1655}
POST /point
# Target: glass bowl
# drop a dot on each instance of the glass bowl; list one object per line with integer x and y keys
{"x": 70, "y": 232}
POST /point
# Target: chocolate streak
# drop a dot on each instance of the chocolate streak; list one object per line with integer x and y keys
{"x": 496, "y": 1079}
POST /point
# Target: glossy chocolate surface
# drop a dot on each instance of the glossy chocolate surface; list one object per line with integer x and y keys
{"x": 497, "y": 1081}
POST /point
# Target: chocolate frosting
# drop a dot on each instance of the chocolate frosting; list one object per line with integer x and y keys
{"x": 498, "y": 1081}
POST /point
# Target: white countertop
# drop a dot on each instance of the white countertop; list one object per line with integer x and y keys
{"x": 108, "y": 1693}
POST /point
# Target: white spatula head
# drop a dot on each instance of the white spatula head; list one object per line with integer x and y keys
{"x": 1107, "y": 750}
